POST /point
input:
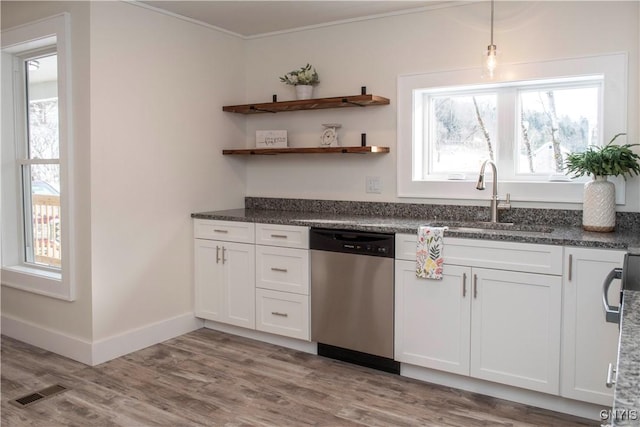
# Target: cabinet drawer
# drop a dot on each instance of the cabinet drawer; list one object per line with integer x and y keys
{"x": 289, "y": 236}
{"x": 282, "y": 313}
{"x": 230, "y": 231}
{"x": 282, "y": 269}
{"x": 406, "y": 246}
{"x": 525, "y": 257}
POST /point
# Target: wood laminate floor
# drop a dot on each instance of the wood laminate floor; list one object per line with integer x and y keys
{"x": 208, "y": 378}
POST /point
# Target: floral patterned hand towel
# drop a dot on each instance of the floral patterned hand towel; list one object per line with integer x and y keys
{"x": 429, "y": 252}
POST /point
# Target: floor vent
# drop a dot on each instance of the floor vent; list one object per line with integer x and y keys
{"x": 32, "y": 398}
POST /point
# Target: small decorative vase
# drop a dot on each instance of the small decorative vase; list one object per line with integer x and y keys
{"x": 599, "y": 205}
{"x": 304, "y": 91}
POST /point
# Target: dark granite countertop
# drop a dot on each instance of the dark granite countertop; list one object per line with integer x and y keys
{"x": 565, "y": 235}
{"x": 626, "y": 406}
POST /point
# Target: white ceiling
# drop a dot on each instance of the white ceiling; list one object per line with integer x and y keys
{"x": 250, "y": 19}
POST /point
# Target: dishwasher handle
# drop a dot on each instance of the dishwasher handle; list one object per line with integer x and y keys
{"x": 612, "y": 312}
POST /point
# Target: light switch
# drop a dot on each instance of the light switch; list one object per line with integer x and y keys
{"x": 373, "y": 184}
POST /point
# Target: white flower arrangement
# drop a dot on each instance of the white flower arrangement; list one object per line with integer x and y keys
{"x": 306, "y": 75}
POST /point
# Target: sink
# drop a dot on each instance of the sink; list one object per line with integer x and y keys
{"x": 480, "y": 226}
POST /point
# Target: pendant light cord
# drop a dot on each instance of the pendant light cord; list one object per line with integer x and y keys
{"x": 492, "y": 22}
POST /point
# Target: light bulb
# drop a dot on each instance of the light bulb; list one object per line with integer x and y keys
{"x": 491, "y": 60}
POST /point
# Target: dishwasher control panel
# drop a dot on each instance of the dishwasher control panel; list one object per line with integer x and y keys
{"x": 366, "y": 248}
{"x": 355, "y": 242}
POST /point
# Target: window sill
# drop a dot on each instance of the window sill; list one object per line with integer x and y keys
{"x": 35, "y": 280}
{"x": 536, "y": 191}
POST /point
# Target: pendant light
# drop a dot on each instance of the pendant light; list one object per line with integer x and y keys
{"x": 491, "y": 56}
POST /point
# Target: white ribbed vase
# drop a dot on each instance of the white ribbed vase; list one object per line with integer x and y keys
{"x": 304, "y": 91}
{"x": 599, "y": 205}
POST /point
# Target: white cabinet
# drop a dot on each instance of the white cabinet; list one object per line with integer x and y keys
{"x": 432, "y": 318}
{"x": 589, "y": 342}
{"x": 282, "y": 269}
{"x": 495, "y": 324}
{"x": 282, "y": 313}
{"x": 253, "y": 275}
{"x": 282, "y": 235}
{"x": 282, "y": 280}
{"x": 225, "y": 272}
{"x": 515, "y": 328}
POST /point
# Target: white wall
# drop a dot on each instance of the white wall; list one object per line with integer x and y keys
{"x": 157, "y": 86}
{"x": 148, "y": 128}
{"x": 62, "y": 318}
{"x": 373, "y": 53}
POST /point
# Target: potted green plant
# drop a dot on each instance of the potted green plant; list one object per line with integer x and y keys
{"x": 599, "y": 205}
{"x": 304, "y": 79}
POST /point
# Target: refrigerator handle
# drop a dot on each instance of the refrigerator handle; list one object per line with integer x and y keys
{"x": 612, "y": 312}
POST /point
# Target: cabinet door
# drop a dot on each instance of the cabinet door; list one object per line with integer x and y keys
{"x": 432, "y": 318}
{"x": 515, "y": 328}
{"x": 589, "y": 342}
{"x": 238, "y": 261}
{"x": 208, "y": 280}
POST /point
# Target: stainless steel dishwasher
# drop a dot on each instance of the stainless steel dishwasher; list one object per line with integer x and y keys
{"x": 352, "y": 296}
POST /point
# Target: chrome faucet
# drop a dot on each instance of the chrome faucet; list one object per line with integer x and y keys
{"x": 494, "y": 197}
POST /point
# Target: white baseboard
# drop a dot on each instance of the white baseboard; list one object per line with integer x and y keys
{"x": 139, "y": 338}
{"x": 514, "y": 394}
{"x": 94, "y": 353}
{"x": 292, "y": 343}
{"x": 65, "y": 345}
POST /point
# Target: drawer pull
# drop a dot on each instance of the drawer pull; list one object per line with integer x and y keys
{"x": 281, "y": 270}
{"x": 276, "y": 313}
{"x": 279, "y": 236}
{"x": 216, "y": 230}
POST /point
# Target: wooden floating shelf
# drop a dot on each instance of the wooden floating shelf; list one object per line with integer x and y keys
{"x": 308, "y": 150}
{"x": 308, "y": 104}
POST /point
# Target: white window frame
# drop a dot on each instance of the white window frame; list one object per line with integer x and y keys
{"x": 614, "y": 120}
{"x": 58, "y": 283}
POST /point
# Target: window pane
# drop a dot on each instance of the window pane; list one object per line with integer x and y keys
{"x": 42, "y": 99}
{"x": 554, "y": 123}
{"x": 42, "y": 212}
{"x": 462, "y": 132}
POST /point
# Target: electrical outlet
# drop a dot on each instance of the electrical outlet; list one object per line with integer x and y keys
{"x": 373, "y": 184}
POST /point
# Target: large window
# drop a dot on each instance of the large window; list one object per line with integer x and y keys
{"x": 449, "y": 123}
{"x": 39, "y": 160}
{"x": 36, "y": 147}
{"x": 545, "y": 120}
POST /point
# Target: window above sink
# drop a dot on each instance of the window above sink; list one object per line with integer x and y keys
{"x": 450, "y": 122}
